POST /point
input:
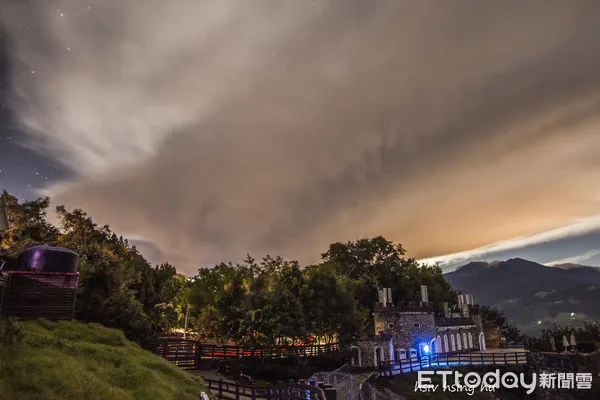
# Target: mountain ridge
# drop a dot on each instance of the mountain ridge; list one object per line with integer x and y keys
{"x": 499, "y": 263}
{"x": 529, "y": 292}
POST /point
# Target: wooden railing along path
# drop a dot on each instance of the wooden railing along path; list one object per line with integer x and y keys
{"x": 395, "y": 367}
{"x": 189, "y": 353}
{"x": 286, "y": 391}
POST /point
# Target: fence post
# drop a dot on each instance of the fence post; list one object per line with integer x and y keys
{"x": 237, "y": 392}
{"x": 220, "y": 388}
{"x": 196, "y": 355}
{"x": 285, "y": 392}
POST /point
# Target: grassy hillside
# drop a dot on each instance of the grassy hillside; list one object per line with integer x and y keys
{"x": 73, "y": 360}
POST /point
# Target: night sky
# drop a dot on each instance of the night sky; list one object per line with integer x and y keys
{"x": 23, "y": 172}
{"x": 205, "y": 130}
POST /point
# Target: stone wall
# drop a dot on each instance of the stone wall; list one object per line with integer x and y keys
{"x": 366, "y": 348}
{"x": 476, "y": 317}
{"x": 406, "y": 328}
{"x": 410, "y": 327}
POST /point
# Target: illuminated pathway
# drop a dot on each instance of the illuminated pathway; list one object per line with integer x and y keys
{"x": 444, "y": 360}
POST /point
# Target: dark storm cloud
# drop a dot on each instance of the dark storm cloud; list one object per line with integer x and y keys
{"x": 212, "y": 129}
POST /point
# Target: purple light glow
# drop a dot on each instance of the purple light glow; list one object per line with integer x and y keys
{"x": 35, "y": 261}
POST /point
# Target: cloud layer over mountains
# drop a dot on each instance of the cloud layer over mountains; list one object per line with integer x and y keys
{"x": 209, "y": 129}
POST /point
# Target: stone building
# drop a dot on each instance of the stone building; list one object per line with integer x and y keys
{"x": 414, "y": 330}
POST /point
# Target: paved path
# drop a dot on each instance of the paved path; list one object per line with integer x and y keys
{"x": 211, "y": 374}
{"x": 357, "y": 379}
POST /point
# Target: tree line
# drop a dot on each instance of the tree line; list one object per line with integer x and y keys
{"x": 265, "y": 301}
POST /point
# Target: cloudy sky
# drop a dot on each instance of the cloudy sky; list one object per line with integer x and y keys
{"x": 207, "y": 129}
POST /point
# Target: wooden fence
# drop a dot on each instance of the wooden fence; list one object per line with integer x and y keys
{"x": 31, "y": 295}
{"x": 181, "y": 352}
{"x": 395, "y": 367}
{"x": 291, "y": 391}
{"x": 225, "y": 352}
{"x": 189, "y": 353}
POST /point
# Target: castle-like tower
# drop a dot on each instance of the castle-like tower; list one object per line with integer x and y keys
{"x": 413, "y": 330}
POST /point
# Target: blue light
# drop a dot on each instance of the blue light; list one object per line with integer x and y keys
{"x": 426, "y": 349}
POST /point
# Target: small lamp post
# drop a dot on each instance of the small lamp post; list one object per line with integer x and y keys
{"x": 187, "y": 316}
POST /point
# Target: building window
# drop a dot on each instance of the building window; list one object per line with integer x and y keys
{"x": 416, "y": 325}
{"x": 355, "y": 356}
{"x": 400, "y": 354}
{"x": 379, "y": 356}
{"x": 453, "y": 342}
{"x": 390, "y": 326}
{"x": 446, "y": 348}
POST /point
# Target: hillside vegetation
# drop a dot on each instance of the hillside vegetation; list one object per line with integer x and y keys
{"x": 75, "y": 360}
{"x": 531, "y": 295}
{"x": 265, "y": 301}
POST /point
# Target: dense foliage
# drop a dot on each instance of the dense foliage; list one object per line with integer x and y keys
{"x": 117, "y": 286}
{"x": 495, "y": 319}
{"x": 253, "y": 302}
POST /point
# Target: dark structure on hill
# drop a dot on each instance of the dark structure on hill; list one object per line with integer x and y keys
{"x": 43, "y": 284}
{"x": 410, "y": 331}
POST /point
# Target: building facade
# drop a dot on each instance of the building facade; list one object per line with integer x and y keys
{"x": 411, "y": 331}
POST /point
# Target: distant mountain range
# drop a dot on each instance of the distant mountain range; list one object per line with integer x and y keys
{"x": 529, "y": 292}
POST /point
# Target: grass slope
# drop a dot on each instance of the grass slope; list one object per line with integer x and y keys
{"x": 74, "y": 360}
